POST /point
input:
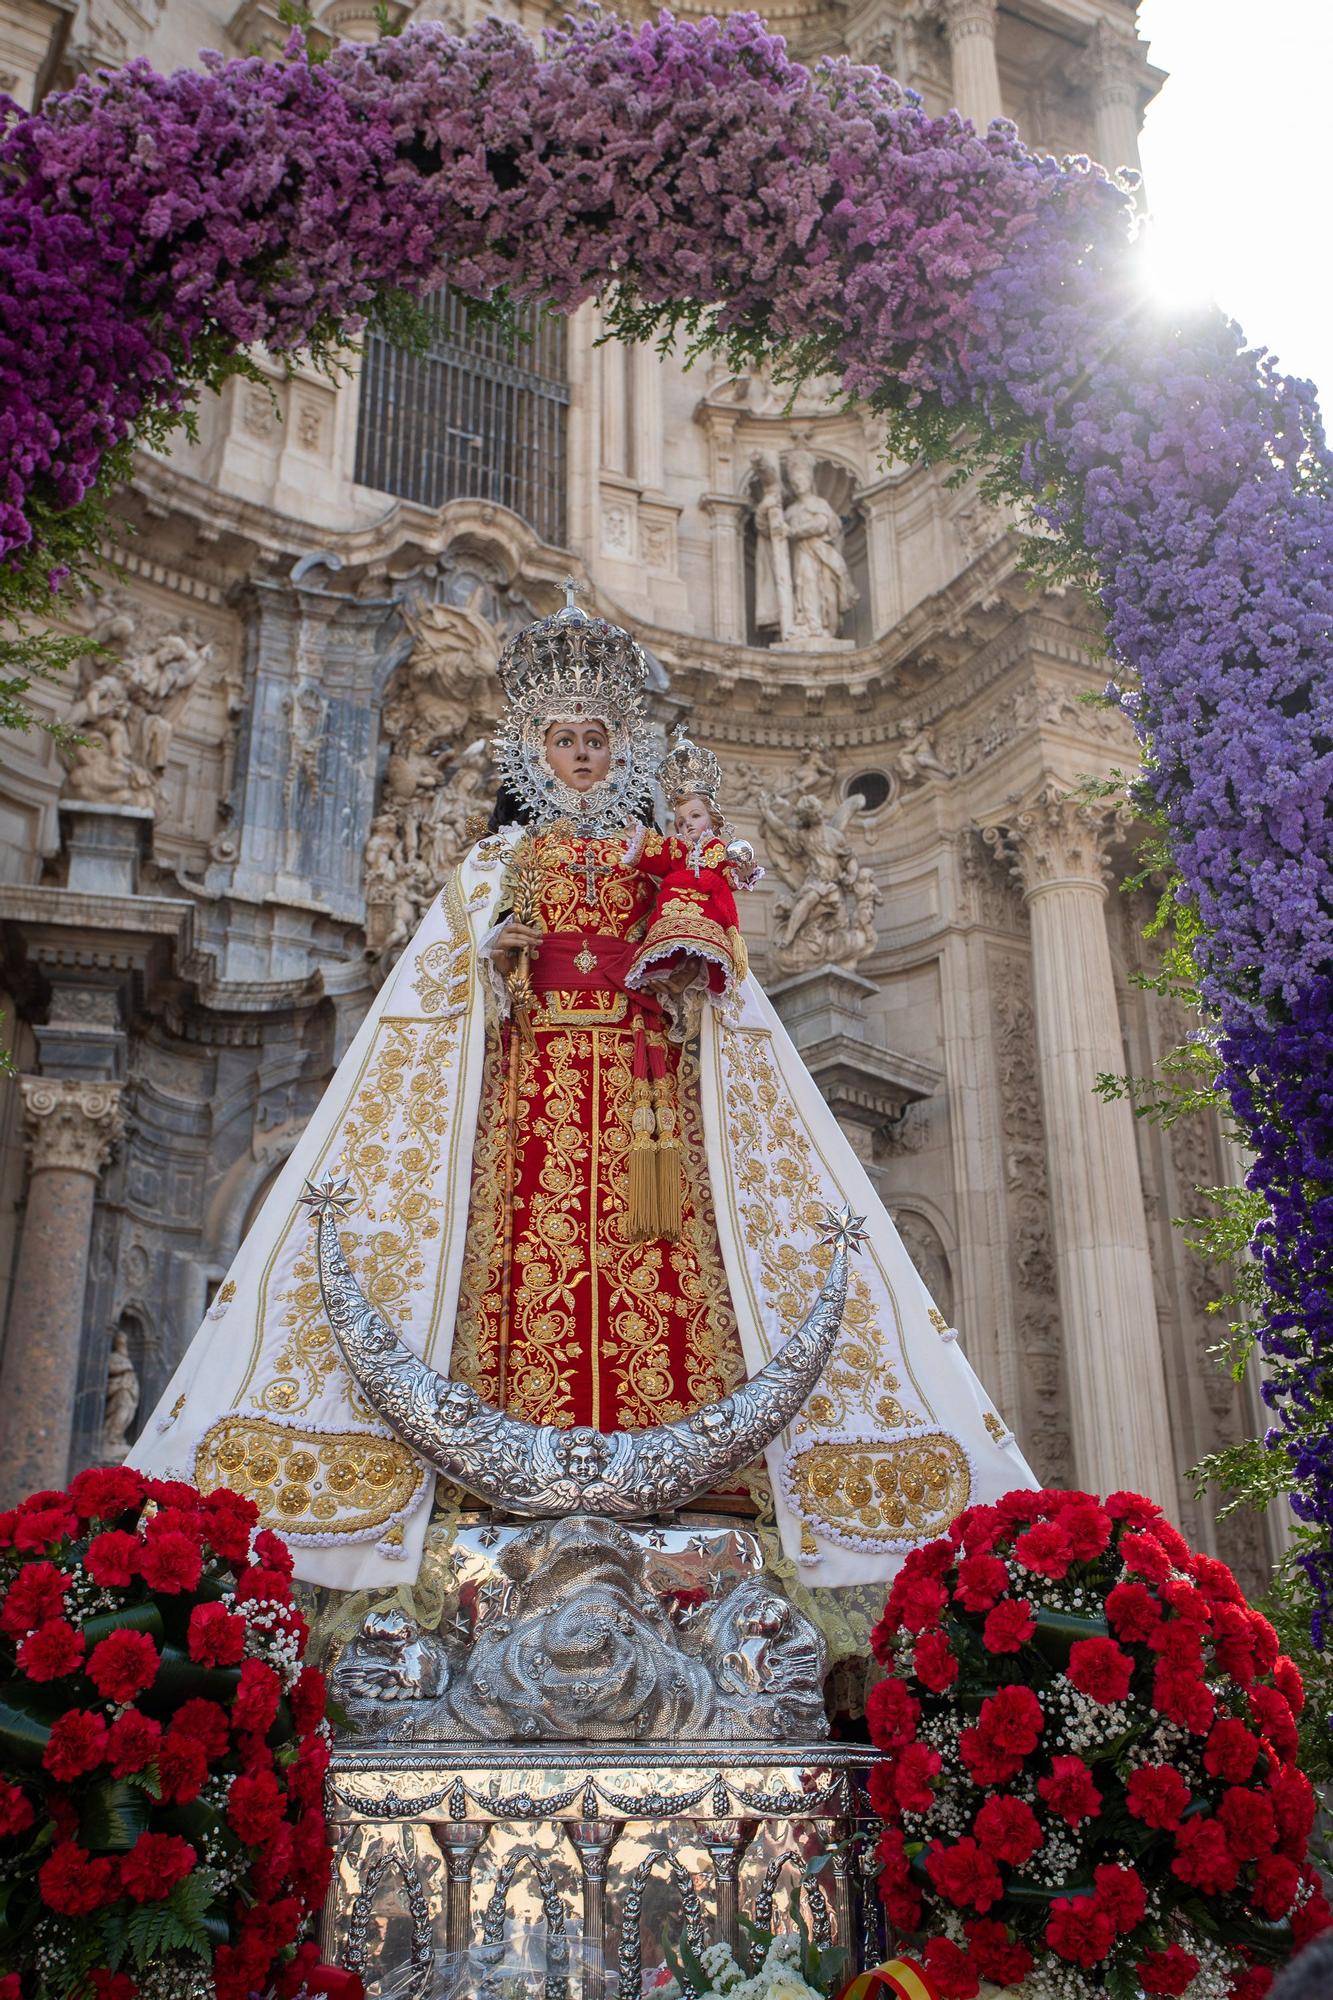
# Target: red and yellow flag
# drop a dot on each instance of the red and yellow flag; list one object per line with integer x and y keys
{"x": 896, "y": 1979}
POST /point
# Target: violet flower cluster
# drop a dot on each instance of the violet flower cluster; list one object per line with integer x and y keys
{"x": 147, "y": 220}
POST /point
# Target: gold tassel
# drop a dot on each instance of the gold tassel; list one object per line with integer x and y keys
{"x": 668, "y": 1165}
{"x": 642, "y": 1218}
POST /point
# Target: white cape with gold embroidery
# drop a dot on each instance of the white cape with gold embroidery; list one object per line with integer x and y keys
{"x": 899, "y": 1436}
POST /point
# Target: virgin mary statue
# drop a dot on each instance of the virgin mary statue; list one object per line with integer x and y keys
{"x": 588, "y": 1175}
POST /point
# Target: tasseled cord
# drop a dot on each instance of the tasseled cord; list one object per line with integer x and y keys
{"x": 654, "y": 1147}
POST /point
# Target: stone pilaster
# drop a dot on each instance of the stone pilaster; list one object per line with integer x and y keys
{"x": 1117, "y": 1381}
{"x": 70, "y": 1129}
{"x": 976, "y": 75}
{"x": 1111, "y": 66}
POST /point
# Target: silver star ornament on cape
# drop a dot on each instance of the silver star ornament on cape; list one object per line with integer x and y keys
{"x": 331, "y": 1197}
{"x": 842, "y": 1229}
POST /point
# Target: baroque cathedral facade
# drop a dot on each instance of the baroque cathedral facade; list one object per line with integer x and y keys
{"x": 284, "y": 750}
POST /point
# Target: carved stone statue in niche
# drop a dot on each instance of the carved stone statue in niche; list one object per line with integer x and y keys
{"x": 803, "y": 586}
{"x": 436, "y": 781}
{"x": 826, "y": 911}
{"x": 127, "y": 711}
{"x": 122, "y": 1399}
{"x": 915, "y": 760}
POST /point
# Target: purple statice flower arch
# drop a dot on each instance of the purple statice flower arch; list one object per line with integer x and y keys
{"x": 151, "y": 224}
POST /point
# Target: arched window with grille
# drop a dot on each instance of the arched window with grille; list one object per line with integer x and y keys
{"x": 479, "y": 415}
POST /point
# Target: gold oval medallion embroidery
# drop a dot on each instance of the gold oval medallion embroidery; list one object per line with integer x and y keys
{"x": 308, "y": 1482}
{"x": 872, "y": 1494}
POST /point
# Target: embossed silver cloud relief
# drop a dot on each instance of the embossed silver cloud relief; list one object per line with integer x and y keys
{"x": 537, "y": 1470}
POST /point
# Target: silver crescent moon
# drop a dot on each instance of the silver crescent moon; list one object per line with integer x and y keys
{"x": 541, "y": 1472}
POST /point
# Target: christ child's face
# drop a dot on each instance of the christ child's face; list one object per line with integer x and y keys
{"x": 579, "y": 753}
{"x": 694, "y": 819}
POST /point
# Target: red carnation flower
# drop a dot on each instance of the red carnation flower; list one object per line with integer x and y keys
{"x": 112, "y": 1557}
{"x": 964, "y": 1875}
{"x": 1133, "y": 1612}
{"x": 171, "y": 1562}
{"x": 1009, "y": 1626}
{"x": 1287, "y": 1679}
{"x": 1276, "y": 1880}
{"x": 1009, "y": 1830}
{"x": 1171, "y": 1539}
{"x": 892, "y": 1713}
{"x": 977, "y": 1529}
{"x": 182, "y": 1767}
{"x": 39, "y": 1528}
{"x": 1215, "y": 1580}
{"x": 921, "y": 1603}
{"x": 1231, "y": 1751}
{"x": 1251, "y": 1828}
{"x": 1132, "y": 1508}
{"x": 898, "y": 1893}
{"x": 1190, "y": 1605}
{"x": 16, "y": 1814}
{"x": 133, "y": 1742}
{"x": 216, "y": 1636}
{"x": 996, "y": 1955}
{"x": 122, "y": 1665}
{"x": 73, "y": 1883}
{"x": 1167, "y": 1972}
{"x": 1314, "y": 1915}
{"x": 1273, "y": 1716}
{"x": 109, "y": 1985}
{"x": 982, "y": 1582}
{"x": 985, "y": 1764}
{"x": 255, "y": 1807}
{"x": 1046, "y": 1550}
{"x": 154, "y": 1865}
{"x": 55, "y": 1648}
{"x": 1252, "y": 1984}
{"x": 230, "y": 1520}
{"x": 308, "y": 1700}
{"x": 102, "y": 1492}
{"x": 1088, "y": 1527}
{"x": 1145, "y": 1556}
{"x": 1012, "y": 1719}
{"x": 1267, "y": 1645}
{"x": 1204, "y": 1858}
{"x": 1080, "y": 1931}
{"x": 1070, "y": 1792}
{"x": 1233, "y": 1643}
{"x": 1120, "y": 1892}
{"x": 256, "y": 1705}
{"x": 934, "y": 1662}
{"x": 36, "y": 1595}
{"x": 205, "y": 1723}
{"x": 9, "y": 1986}
{"x": 1157, "y": 1795}
{"x": 1293, "y": 1802}
{"x": 1099, "y": 1669}
{"x": 273, "y": 1552}
{"x": 917, "y": 1764}
{"x": 263, "y": 1586}
{"x": 950, "y": 1970}
{"x": 880, "y": 1789}
{"x": 1179, "y": 1647}
{"x": 305, "y": 1778}
{"x": 77, "y": 1743}
{"x": 1183, "y": 1698}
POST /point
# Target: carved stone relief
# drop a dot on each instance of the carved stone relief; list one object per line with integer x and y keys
{"x": 1044, "y": 1427}
{"x": 826, "y": 908}
{"x": 803, "y": 587}
{"x": 129, "y": 704}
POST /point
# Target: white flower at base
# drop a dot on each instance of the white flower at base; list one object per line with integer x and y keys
{"x": 777, "y": 1978}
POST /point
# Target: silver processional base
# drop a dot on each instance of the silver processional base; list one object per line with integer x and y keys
{"x": 616, "y": 1737}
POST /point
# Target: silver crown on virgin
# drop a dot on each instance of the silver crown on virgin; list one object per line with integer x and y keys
{"x": 689, "y": 772}
{"x": 573, "y": 668}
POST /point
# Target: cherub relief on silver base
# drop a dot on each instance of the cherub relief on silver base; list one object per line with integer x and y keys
{"x": 537, "y": 1470}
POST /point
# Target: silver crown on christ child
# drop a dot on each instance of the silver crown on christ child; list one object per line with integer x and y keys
{"x": 569, "y": 667}
{"x": 689, "y": 772}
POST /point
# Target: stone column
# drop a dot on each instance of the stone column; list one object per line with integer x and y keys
{"x": 976, "y": 75}
{"x": 70, "y": 1129}
{"x": 1119, "y": 1417}
{"x": 727, "y": 520}
{"x": 1113, "y": 71}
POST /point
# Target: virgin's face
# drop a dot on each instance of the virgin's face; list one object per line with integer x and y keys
{"x": 579, "y": 753}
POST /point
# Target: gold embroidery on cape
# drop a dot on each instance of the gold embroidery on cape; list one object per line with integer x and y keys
{"x": 870, "y": 1493}
{"x": 775, "y": 1173}
{"x": 309, "y": 1482}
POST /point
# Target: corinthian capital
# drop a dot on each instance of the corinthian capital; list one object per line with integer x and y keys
{"x": 1111, "y": 64}
{"x": 969, "y": 17}
{"x": 71, "y": 1125}
{"x": 1056, "y": 840}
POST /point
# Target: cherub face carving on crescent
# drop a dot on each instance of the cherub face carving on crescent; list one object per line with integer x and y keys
{"x": 456, "y": 1404}
{"x": 583, "y": 1454}
{"x": 579, "y": 753}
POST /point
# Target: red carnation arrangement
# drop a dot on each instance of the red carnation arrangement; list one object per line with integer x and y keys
{"x": 1088, "y": 1781}
{"x": 162, "y": 1750}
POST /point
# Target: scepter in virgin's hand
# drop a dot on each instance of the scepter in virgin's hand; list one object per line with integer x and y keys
{"x": 521, "y": 936}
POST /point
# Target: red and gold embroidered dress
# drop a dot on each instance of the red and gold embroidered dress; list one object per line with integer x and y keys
{"x": 593, "y": 1325}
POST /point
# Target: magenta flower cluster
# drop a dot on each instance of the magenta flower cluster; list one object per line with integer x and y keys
{"x": 149, "y": 219}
